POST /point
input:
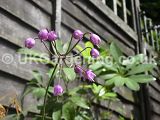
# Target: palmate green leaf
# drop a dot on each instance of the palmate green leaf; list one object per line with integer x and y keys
{"x": 131, "y": 84}
{"x": 115, "y": 52}
{"x": 79, "y": 101}
{"x": 68, "y": 111}
{"x": 141, "y": 68}
{"x": 142, "y": 78}
{"x": 70, "y": 74}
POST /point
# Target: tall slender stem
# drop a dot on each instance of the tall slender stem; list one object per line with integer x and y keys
{"x": 45, "y": 97}
{"x": 68, "y": 51}
{"x": 54, "y": 45}
{"x": 81, "y": 51}
{"x": 69, "y": 44}
{"x": 47, "y": 48}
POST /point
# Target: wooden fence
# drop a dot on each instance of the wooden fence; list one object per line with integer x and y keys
{"x": 115, "y": 20}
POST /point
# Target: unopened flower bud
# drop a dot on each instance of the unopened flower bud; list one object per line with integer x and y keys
{"x": 29, "y": 43}
{"x": 52, "y": 36}
{"x": 43, "y": 34}
{"x": 78, "y": 69}
{"x": 94, "y": 53}
{"x": 95, "y": 39}
{"x": 58, "y": 90}
{"x": 77, "y": 34}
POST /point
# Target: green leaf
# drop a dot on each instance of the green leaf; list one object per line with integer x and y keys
{"x": 141, "y": 68}
{"x": 108, "y": 76}
{"x": 68, "y": 111}
{"x": 96, "y": 66}
{"x": 88, "y": 44}
{"x": 119, "y": 81}
{"x": 57, "y": 111}
{"x": 69, "y": 72}
{"x": 109, "y": 95}
{"x": 102, "y": 92}
{"x": 79, "y": 101}
{"x": 59, "y": 46}
{"x": 142, "y": 78}
{"x": 115, "y": 52}
{"x": 65, "y": 47}
{"x": 39, "y": 92}
{"x": 79, "y": 48}
{"x": 96, "y": 88}
{"x": 132, "y": 84}
{"x": 112, "y": 80}
{"x": 37, "y": 76}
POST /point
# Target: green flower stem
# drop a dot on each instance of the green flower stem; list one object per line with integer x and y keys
{"x": 47, "y": 48}
{"x": 69, "y": 44}
{"x": 82, "y": 51}
{"x": 54, "y": 46}
{"x": 75, "y": 44}
{"x": 45, "y": 97}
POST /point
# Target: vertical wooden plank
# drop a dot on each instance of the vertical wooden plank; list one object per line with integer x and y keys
{"x": 146, "y": 28}
{"x": 151, "y": 34}
{"x": 104, "y": 1}
{"x": 133, "y": 13}
{"x": 56, "y": 16}
{"x": 124, "y": 10}
{"x": 157, "y": 38}
{"x": 115, "y": 6}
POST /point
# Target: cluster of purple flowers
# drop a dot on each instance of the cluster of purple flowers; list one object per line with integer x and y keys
{"x": 46, "y": 35}
{"x": 43, "y": 35}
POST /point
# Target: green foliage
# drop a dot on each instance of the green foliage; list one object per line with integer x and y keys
{"x": 127, "y": 72}
{"x": 69, "y": 73}
{"x": 76, "y": 103}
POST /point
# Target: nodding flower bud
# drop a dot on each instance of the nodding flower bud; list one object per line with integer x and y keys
{"x": 52, "y": 36}
{"x": 58, "y": 90}
{"x": 43, "y": 34}
{"x": 29, "y": 43}
{"x": 77, "y": 34}
{"x": 78, "y": 69}
{"x": 94, "y": 53}
{"x": 89, "y": 75}
{"x": 95, "y": 39}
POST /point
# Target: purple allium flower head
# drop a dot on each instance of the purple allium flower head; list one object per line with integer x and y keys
{"x": 77, "y": 34}
{"x": 95, "y": 39}
{"x": 29, "y": 43}
{"x": 52, "y": 36}
{"x": 58, "y": 90}
{"x": 43, "y": 34}
{"x": 94, "y": 53}
{"x": 90, "y": 75}
{"x": 78, "y": 69}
